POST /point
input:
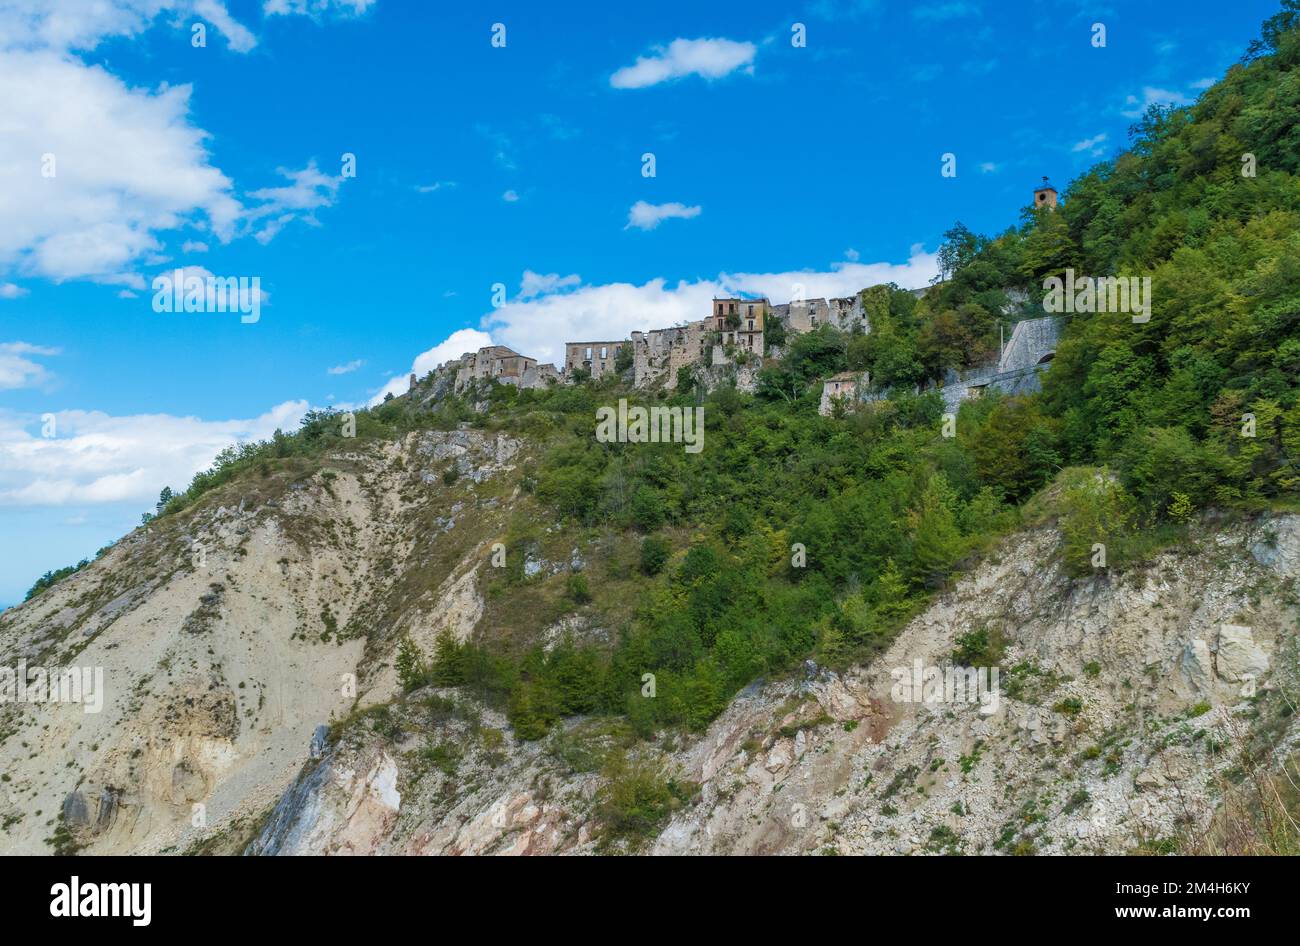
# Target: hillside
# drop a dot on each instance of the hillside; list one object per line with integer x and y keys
{"x": 469, "y": 625}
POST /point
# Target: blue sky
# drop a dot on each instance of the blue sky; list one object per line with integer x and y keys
{"x": 478, "y": 165}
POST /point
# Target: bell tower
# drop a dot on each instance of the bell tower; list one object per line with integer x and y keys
{"x": 1045, "y": 195}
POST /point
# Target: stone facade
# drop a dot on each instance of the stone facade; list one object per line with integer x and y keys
{"x": 596, "y": 357}
{"x": 845, "y": 386}
{"x": 739, "y": 324}
{"x": 503, "y": 364}
{"x": 661, "y": 352}
{"x": 809, "y": 314}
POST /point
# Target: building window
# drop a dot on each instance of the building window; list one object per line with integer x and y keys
{"x": 604, "y": 352}
{"x": 751, "y": 325}
{"x": 589, "y": 354}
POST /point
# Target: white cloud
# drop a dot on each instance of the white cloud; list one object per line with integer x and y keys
{"x": 536, "y": 284}
{"x": 1153, "y": 96}
{"x": 214, "y": 12}
{"x": 988, "y": 167}
{"x": 348, "y": 368}
{"x": 307, "y": 191}
{"x": 540, "y": 324}
{"x": 94, "y": 170}
{"x": 18, "y": 371}
{"x": 646, "y": 216}
{"x": 10, "y": 291}
{"x": 194, "y": 246}
{"x": 1202, "y": 83}
{"x": 458, "y": 343}
{"x": 1091, "y": 145}
{"x": 77, "y": 24}
{"x": 126, "y": 162}
{"x": 217, "y": 296}
{"x": 100, "y": 458}
{"x": 510, "y": 197}
{"x": 317, "y": 9}
{"x": 435, "y": 186}
{"x": 710, "y": 58}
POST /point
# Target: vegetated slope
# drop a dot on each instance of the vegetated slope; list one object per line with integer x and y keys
{"x": 790, "y": 536}
{"x": 1122, "y": 727}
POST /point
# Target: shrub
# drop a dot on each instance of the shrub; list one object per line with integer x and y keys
{"x": 654, "y": 554}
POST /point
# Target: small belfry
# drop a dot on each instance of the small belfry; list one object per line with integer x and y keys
{"x": 1045, "y": 195}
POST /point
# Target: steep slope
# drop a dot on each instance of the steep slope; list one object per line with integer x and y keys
{"x": 1122, "y": 723}
{"x": 228, "y": 634}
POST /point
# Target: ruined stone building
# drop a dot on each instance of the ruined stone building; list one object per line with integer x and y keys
{"x": 505, "y": 365}
{"x": 596, "y": 357}
{"x": 661, "y": 352}
{"x": 806, "y": 315}
{"x": 739, "y": 324}
{"x": 847, "y": 387}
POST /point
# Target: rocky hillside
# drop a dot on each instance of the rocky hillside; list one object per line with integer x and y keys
{"x": 1128, "y": 714}
{"x": 252, "y": 700}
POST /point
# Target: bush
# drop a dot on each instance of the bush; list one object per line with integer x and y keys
{"x": 654, "y": 554}
{"x": 1095, "y": 510}
{"x": 635, "y": 798}
{"x": 578, "y": 589}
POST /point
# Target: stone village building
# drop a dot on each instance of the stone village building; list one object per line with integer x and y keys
{"x": 735, "y": 329}
{"x": 597, "y": 357}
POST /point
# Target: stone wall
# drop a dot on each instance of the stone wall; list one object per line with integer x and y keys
{"x": 1031, "y": 341}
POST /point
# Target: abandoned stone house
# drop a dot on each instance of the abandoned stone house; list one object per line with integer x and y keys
{"x": 505, "y": 365}
{"x": 663, "y": 351}
{"x": 847, "y": 387}
{"x": 596, "y": 357}
{"x": 805, "y": 315}
{"x": 740, "y": 323}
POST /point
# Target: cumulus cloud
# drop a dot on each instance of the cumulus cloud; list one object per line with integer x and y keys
{"x": 456, "y": 344}
{"x": 10, "y": 291}
{"x": 709, "y": 58}
{"x": 194, "y": 246}
{"x": 100, "y": 458}
{"x": 119, "y": 164}
{"x": 510, "y": 196}
{"x": 540, "y": 323}
{"x": 94, "y": 170}
{"x": 646, "y": 216}
{"x": 19, "y": 371}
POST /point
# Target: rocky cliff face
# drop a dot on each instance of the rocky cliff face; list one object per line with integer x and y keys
{"x": 250, "y": 701}
{"x": 228, "y": 634}
{"x": 1125, "y": 707}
